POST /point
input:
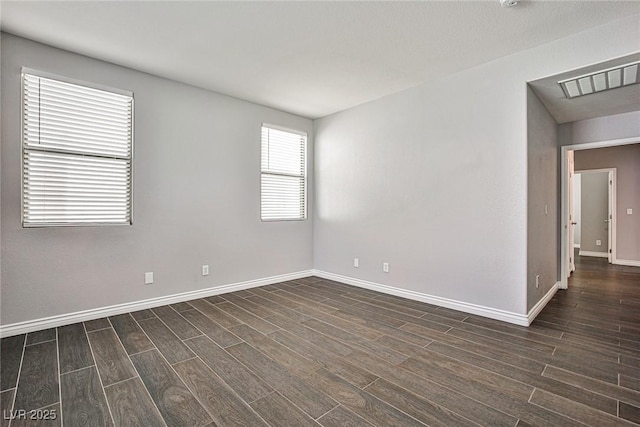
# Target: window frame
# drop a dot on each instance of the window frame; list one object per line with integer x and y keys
{"x": 303, "y": 176}
{"x": 23, "y": 148}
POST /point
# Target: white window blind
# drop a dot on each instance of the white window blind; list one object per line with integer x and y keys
{"x": 283, "y": 187}
{"x": 76, "y": 153}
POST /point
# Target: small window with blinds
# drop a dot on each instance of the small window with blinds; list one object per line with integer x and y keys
{"x": 284, "y": 174}
{"x": 77, "y": 145}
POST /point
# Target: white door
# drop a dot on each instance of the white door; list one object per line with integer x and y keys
{"x": 570, "y": 220}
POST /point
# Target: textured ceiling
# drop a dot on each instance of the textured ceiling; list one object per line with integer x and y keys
{"x": 308, "y": 58}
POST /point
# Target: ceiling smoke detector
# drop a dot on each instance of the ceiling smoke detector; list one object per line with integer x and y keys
{"x": 508, "y": 3}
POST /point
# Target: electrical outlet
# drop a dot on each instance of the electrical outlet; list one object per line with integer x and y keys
{"x": 598, "y": 242}
{"x": 356, "y": 263}
{"x": 546, "y": 209}
{"x": 385, "y": 267}
{"x": 629, "y": 211}
{"x": 148, "y": 278}
{"x": 537, "y": 281}
{"x": 205, "y": 270}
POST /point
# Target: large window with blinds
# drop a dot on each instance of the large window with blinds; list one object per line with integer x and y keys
{"x": 284, "y": 174}
{"x": 77, "y": 148}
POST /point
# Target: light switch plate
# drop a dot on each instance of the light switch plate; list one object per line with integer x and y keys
{"x": 629, "y": 211}
{"x": 148, "y": 278}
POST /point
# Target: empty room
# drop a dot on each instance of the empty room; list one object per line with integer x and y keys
{"x": 320, "y": 213}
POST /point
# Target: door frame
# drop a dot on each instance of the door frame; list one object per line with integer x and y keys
{"x": 611, "y": 209}
{"x": 564, "y": 198}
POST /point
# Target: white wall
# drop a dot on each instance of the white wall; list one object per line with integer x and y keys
{"x": 542, "y": 196}
{"x": 433, "y": 180}
{"x": 196, "y": 199}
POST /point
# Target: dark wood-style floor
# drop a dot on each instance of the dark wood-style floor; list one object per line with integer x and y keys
{"x": 315, "y": 352}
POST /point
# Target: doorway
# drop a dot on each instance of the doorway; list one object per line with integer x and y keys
{"x": 594, "y": 212}
{"x": 567, "y": 229}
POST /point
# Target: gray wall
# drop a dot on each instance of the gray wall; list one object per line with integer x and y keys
{"x": 595, "y": 209}
{"x": 433, "y": 180}
{"x": 626, "y": 160}
{"x": 196, "y": 196}
{"x": 607, "y": 128}
{"x": 542, "y": 196}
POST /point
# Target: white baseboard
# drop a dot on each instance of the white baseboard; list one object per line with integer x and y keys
{"x": 596, "y": 254}
{"x": 576, "y": 245}
{"x": 97, "y": 313}
{"x": 493, "y": 313}
{"x": 536, "y": 309}
{"x": 629, "y": 262}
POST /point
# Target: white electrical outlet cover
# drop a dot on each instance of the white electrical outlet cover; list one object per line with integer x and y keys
{"x": 629, "y": 211}
{"x": 148, "y": 278}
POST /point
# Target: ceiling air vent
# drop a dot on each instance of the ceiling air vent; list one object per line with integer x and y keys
{"x": 611, "y": 78}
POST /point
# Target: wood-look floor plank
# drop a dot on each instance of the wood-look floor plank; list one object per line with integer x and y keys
{"x": 220, "y": 335}
{"x": 342, "y": 417}
{"x": 6, "y": 404}
{"x": 286, "y": 357}
{"x": 94, "y": 325}
{"x": 605, "y": 389}
{"x": 10, "y": 358}
{"x": 557, "y": 387}
{"x": 181, "y": 306}
{"x": 576, "y": 411}
{"x": 183, "y": 329}
{"x": 246, "y": 317}
{"x": 278, "y": 411}
{"x": 309, "y": 334}
{"x": 171, "y": 347}
{"x": 131, "y": 404}
{"x": 41, "y": 336}
{"x": 74, "y": 349}
{"x": 214, "y": 313}
{"x": 630, "y": 412}
{"x": 355, "y": 341}
{"x": 330, "y": 361}
{"x": 250, "y": 306}
{"x": 361, "y": 402}
{"x": 248, "y": 385}
{"x": 176, "y": 403}
{"x": 444, "y": 396}
{"x": 419, "y": 408}
{"x": 530, "y": 363}
{"x": 132, "y": 337}
{"x": 356, "y": 328}
{"x": 112, "y": 360}
{"x": 143, "y": 314}
{"x": 38, "y": 383}
{"x": 310, "y": 399}
{"x": 214, "y": 299}
{"x": 224, "y": 406}
{"x": 83, "y": 399}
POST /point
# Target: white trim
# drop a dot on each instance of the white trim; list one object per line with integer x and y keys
{"x": 536, "y": 309}
{"x": 576, "y": 246}
{"x": 629, "y": 262}
{"x": 493, "y": 313}
{"x": 595, "y": 254}
{"x": 97, "y": 313}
